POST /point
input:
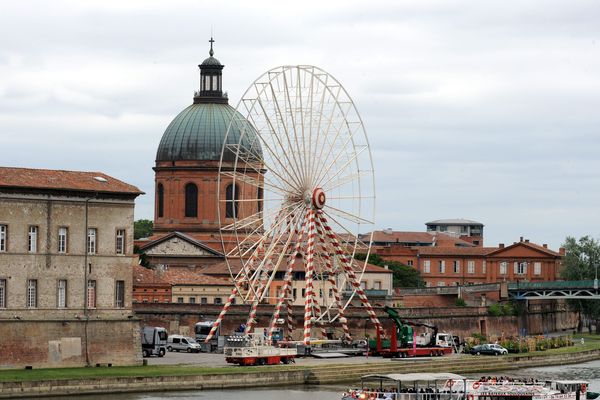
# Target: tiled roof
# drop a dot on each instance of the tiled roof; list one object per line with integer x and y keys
{"x": 454, "y": 251}
{"x": 220, "y": 269}
{"x": 181, "y": 276}
{"x": 146, "y": 276}
{"x": 147, "y": 244}
{"x": 63, "y": 180}
{"x": 533, "y": 246}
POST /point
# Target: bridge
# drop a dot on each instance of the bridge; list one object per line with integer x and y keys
{"x": 554, "y": 290}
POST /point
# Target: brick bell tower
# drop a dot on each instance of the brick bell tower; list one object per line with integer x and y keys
{"x": 188, "y": 158}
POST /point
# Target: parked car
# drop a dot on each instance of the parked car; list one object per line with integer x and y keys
{"x": 491, "y": 349}
{"x": 182, "y": 343}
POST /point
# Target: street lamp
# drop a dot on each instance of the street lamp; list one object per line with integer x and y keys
{"x": 596, "y": 278}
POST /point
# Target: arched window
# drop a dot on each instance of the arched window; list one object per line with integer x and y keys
{"x": 260, "y": 199}
{"x": 231, "y": 205}
{"x": 160, "y": 200}
{"x": 191, "y": 200}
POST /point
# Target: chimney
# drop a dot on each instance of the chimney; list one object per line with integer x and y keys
{"x": 545, "y": 245}
{"x": 562, "y": 251}
{"x": 526, "y": 240}
{"x": 501, "y": 245}
{"x": 386, "y": 267}
{"x": 521, "y": 239}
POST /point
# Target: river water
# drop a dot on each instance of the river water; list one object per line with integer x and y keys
{"x": 589, "y": 371}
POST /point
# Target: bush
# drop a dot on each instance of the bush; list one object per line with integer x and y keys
{"x": 460, "y": 302}
{"x": 495, "y": 310}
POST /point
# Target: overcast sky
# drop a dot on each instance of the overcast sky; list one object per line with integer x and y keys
{"x": 485, "y": 110}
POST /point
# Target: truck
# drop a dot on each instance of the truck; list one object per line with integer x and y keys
{"x": 202, "y": 329}
{"x": 154, "y": 341}
{"x": 405, "y": 343}
{"x": 253, "y": 349}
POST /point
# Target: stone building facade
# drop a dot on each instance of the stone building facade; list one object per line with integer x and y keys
{"x": 65, "y": 269}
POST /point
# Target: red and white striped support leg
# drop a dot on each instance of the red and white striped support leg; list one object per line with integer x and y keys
{"x": 347, "y": 265}
{"x": 216, "y": 324}
{"x": 332, "y": 281}
{"x": 309, "y": 270}
{"x": 288, "y": 278}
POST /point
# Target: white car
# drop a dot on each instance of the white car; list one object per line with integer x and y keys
{"x": 499, "y": 348}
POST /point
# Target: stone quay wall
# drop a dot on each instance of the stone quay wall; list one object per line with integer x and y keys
{"x": 461, "y": 321}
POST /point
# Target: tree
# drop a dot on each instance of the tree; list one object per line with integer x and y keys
{"x": 404, "y": 275}
{"x": 142, "y": 228}
{"x": 582, "y": 257}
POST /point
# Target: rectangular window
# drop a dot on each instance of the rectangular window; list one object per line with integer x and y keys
{"x": 120, "y": 241}
{"x": 442, "y": 267}
{"x": 120, "y": 294}
{"x": 377, "y": 285}
{"x": 91, "y": 240}
{"x": 2, "y": 293}
{"x": 61, "y": 296}
{"x": 409, "y": 263}
{"x": 441, "y": 283}
{"x": 471, "y": 267}
{"x": 426, "y": 266}
{"x": 192, "y": 300}
{"x": 180, "y": 300}
{"x": 521, "y": 268}
{"x": 217, "y": 300}
{"x": 3, "y": 237}
{"x": 63, "y": 233}
{"x": 203, "y": 300}
{"x": 91, "y": 294}
{"x": 295, "y": 293}
{"x": 31, "y": 293}
{"x": 456, "y": 266}
{"x": 503, "y": 267}
{"x": 303, "y": 292}
{"x": 363, "y": 285}
{"x": 484, "y": 267}
{"x": 330, "y": 292}
{"x": 32, "y": 239}
{"x": 537, "y": 268}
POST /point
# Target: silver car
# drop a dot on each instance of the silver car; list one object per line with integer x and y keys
{"x": 182, "y": 343}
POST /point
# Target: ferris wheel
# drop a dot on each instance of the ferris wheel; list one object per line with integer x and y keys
{"x": 297, "y": 177}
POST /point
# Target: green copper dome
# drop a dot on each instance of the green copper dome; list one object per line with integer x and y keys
{"x": 198, "y": 133}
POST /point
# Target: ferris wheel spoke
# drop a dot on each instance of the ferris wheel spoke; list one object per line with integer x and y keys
{"x": 250, "y": 180}
{"x": 282, "y": 124}
{"x": 272, "y": 132}
{"x": 340, "y": 169}
{"x": 346, "y": 180}
{"x": 266, "y": 235}
{"x": 288, "y": 101}
{"x": 328, "y": 144}
{"x": 346, "y": 215}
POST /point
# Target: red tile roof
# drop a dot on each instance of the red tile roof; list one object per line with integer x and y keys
{"x": 453, "y": 251}
{"x": 220, "y": 269}
{"x": 182, "y": 276}
{"x": 145, "y": 276}
{"x": 50, "y": 179}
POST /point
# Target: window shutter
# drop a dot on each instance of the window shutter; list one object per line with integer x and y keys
{"x": 516, "y": 267}
{"x": 525, "y": 268}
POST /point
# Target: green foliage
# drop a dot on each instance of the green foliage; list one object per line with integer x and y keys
{"x": 580, "y": 262}
{"x": 495, "y": 310}
{"x": 479, "y": 337}
{"x": 498, "y": 310}
{"x": 404, "y": 275}
{"x": 460, "y": 302}
{"x": 142, "y": 228}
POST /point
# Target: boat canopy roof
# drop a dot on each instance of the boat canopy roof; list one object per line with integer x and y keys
{"x": 416, "y": 377}
{"x": 570, "y": 382}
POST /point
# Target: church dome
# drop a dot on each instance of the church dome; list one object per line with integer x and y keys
{"x": 198, "y": 133}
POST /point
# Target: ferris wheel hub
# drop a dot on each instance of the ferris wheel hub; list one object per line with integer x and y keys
{"x": 318, "y": 198}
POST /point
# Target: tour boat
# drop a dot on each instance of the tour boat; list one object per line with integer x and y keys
{"x": 448, "y": 386}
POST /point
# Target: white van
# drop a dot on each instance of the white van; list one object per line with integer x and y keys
{"x": 182, "y": 343}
